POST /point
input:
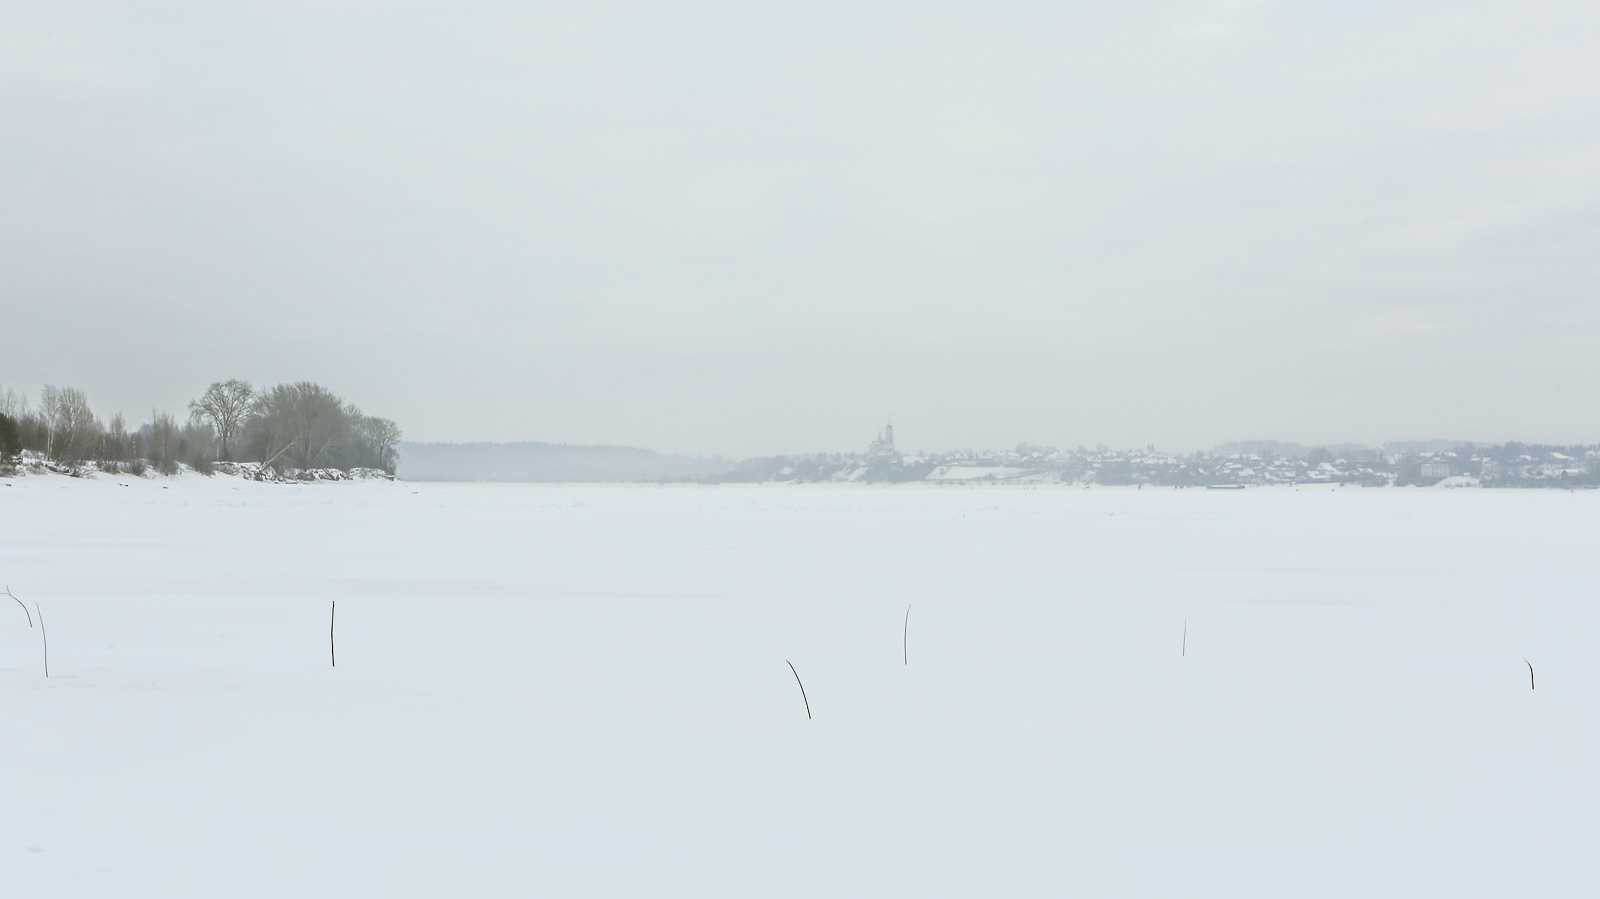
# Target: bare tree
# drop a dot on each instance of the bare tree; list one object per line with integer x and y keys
{"x": 71, "y": 427}
{"x": 224, "y": 406}
{"x": 49, "y": 406}
{"x": 159, "y": 440}
{"x": 301, "y": 425}
{"x": 117, "y": 443}
{"x": 197, "y": 446}
{"x": 379, "y": 439}
{"x": 79, "y": 427}
{"x": 13, "y": 404}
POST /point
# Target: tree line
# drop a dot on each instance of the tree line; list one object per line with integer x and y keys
{"x": 287, "y": 427}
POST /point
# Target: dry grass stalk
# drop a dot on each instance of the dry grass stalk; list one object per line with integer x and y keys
{"x": 802, "y": 689}
{"x": 46, "y": 637}
{"x": 905, "y": 637}
{"x": 24, "y": 606}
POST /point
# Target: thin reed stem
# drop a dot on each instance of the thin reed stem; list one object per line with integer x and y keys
{"x": 46, "y": 637}
{"x": 802, "y": 690}
{"x": 905, "y": 637}
{"x": 24, "y": 606}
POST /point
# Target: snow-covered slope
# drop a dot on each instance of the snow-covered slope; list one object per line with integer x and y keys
{"x": 582, "y": 691}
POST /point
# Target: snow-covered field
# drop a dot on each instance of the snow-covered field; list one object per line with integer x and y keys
{"x": 582, "y": 691}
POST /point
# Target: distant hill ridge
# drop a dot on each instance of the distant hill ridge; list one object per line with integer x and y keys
{"x": 547, "y": 462}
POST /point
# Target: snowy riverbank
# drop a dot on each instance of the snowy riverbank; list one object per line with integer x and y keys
{"x": 583, "y": 690}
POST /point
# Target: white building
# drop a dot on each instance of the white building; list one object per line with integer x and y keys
{"x": 883, "y": 447}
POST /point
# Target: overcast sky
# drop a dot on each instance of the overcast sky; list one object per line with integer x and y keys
{"x": 759, "y": 228}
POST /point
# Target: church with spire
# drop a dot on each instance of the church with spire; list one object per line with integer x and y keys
{"x": 883, "y": 447}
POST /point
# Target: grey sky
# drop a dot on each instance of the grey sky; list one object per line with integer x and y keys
{"x": 757, "y": 228}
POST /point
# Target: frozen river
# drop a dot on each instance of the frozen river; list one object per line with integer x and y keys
{"x": 583, "y": 691}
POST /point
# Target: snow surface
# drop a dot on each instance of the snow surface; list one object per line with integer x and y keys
{"x": 582, "y": 691}
{"x": 975, "y": 472}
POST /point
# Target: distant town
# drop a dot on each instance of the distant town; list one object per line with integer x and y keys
{"x": 1231, "y": 466}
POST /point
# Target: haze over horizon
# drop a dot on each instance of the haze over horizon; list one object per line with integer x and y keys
{"x": 710, "y": 229}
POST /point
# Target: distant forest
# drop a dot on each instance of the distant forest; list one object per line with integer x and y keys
{"x": 287, "y": 428}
